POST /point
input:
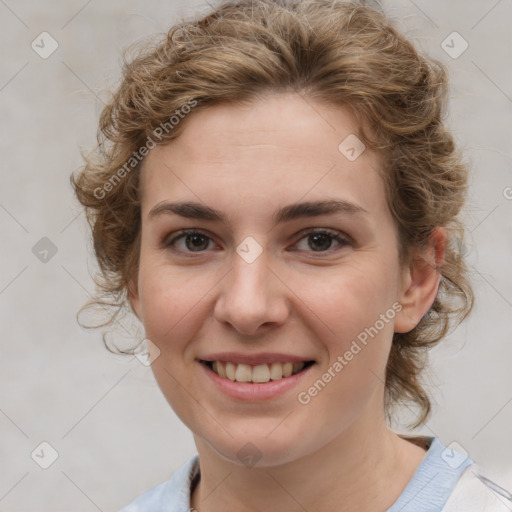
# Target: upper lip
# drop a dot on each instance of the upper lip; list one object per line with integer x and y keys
{"x": 254, "y": 359}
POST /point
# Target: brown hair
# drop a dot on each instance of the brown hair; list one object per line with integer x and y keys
{"x": 344, "y": 53}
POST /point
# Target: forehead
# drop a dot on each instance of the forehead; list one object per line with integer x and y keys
{"x": 279, "y": 149}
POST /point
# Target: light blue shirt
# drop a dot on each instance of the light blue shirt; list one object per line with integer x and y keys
{"x": 427, "y": 491}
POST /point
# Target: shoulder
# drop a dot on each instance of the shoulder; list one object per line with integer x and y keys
{"x": 173, "y": 494}
{"x": 477, "y": 491}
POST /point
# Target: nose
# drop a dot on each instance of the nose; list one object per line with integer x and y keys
{"x": 252, "y": 297}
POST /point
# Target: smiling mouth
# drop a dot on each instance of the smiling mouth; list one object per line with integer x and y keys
{"x": 256, "y": 374}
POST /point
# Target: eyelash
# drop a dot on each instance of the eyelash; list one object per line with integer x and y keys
{"x": 314, "y": 231}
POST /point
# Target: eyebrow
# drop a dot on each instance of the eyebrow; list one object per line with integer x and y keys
{"x": 193, "y": 210}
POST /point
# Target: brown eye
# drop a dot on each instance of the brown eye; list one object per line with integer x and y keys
{"x": 321, "y": 240}
{"x": 192, "y": 241}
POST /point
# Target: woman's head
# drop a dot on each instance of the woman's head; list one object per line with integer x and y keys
{"x": 255, "y": 107}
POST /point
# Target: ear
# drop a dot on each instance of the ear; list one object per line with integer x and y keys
{"x": 420, "y": 283}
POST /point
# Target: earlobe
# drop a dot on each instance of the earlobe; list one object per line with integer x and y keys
{"x": 420, "y": 283}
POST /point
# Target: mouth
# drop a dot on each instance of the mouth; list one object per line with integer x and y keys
{"x": 256, "y": 374}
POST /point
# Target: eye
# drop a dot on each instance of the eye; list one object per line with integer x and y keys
{"x": 320, "y": 240}
{"x": 192, "y": 241}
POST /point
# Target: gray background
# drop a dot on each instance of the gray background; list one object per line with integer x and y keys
{"x": 104, "y": 414}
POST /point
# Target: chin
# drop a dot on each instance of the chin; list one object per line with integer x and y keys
{"x": 261, "y": 448}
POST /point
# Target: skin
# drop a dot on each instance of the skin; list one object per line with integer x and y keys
{"x": 247, "y": 161}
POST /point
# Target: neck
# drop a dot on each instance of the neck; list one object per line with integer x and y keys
{"x": 362, "y": 469}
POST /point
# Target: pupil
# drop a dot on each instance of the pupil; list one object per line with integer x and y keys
{"x": 196, "y": 241}
{"x": 325, "y": 238}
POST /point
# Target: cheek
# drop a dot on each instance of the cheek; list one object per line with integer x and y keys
{"x": 349, "y": 300}
{"x": 357, "y": 341}
{"x": 171, "y": 299}
{"x": 173, "y": 303}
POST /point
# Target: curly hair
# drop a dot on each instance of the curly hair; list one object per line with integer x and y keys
{"x": 342, "y": 53}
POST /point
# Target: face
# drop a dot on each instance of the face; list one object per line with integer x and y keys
{"x": 267, "y": 288}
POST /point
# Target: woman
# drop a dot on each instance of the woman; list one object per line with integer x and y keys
{"x": 276, "y": 197}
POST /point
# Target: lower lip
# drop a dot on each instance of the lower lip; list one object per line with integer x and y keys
{"x": 254, "y": 392}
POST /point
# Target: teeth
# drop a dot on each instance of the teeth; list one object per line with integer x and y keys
{"x": 221, "y": 370}
{"x": 276, "y": 371}
{"x": 260, "y": 373}
{"x": 297, "y": 367}
{"x": 243, "y": 373}
{"x": 230, "y": 370}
